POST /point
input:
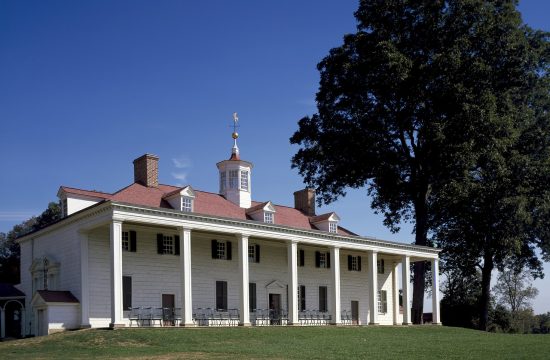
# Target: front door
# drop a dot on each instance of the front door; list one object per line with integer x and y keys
{"x": 168, "y": 305}
{"x": 42, "y": 324}
{"x": 275, "y": 309}
{"x": 355, "y": 312}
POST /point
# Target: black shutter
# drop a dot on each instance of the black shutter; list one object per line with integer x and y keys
{"x": 350, "y": 266}
{"x": 126, "y": 292}
{"x": 257, "y": 253}
{"x": 219, "y": 294}
{"x": 302, "y": 258}
{"x": 176, "y": 245}
{"x": 359, "y": 263}
{"x": 133, "y": 238}
{"x": 302, "y": 297}
{"x": 252, "y": 296}
{"x": 214, "y": 249}
{"x": 228, "y": 250}
{"x": 317, "y": 259}
{"x": 328, "y": 260}
{"x": 160, "y": 247}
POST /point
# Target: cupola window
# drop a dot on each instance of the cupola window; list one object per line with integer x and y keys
{"x": 244, "y": 180}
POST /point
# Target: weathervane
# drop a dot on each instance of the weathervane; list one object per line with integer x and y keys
{"x": 235, "y": 135}
{"x": 235, "y": 126}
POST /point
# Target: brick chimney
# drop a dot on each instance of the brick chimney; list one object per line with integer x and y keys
{"x": 304, "y": 200}
{"x": 146, "y": 170}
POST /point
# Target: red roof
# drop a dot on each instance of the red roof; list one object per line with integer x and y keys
{"x": 205, "y": 203}
{"x": 92, "y": 193}
{"x": 57, "y": 296}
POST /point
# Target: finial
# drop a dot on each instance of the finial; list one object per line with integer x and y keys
{"x": 235, "y": 135}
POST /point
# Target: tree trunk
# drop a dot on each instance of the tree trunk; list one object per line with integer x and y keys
{"x": 421, "y": 234}
{"x": 418, "y": 292}
{"x": 485, "y": 290}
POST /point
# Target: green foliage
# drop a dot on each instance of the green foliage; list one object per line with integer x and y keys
{"x": 418, "y": 342}
{"x": 514, "y": 290}
{"x": 460, "y": 302}
{"x": 9, "y": 249}
{"x": 440, "y": 109}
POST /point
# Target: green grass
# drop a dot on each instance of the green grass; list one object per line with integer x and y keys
{"x": 281, "y": 343}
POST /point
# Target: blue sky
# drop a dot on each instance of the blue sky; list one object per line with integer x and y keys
{"x": 88, "y": 86}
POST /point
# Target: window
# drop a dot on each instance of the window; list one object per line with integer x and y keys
{"x": 302, "y": 298}
{"x": 322, "y": 259}
{"x": 332, "y": 227}
{"x": 268, "y": 217}
{"x": 380, "y": 265}
{"x": 221, "y": 250}
{"x": 382, "y": 302}
{"x": 302, "y": 258}
{"x": 323, "y": 306}
{"x": 221, "y": 295}
{"x": 186, "y": 204}
{"x": 129, "y": 241}
{"x": 354, "y": 263}
{"x": 125, "y": 241}
{"x": 252, "y": 296}
{"x": 233, "y": 179}
{"x": 222, "y": 181}
{"x": 244, "y": 180}
{"x": 166, "y": 244}
{"x": 126, "y": 292}
{"x": 254, "y": 253}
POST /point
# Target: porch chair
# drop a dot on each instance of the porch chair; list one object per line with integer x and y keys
{"x": 177, "y": 316}
{"x": 135, "y": 315}
{"x": 156, "y": 315}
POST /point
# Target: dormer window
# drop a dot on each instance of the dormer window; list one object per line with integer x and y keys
{"x": 182, "y": 199}
{"x": 186, "y": 204}
{"x": 264, "y": 212}
{"x": 326, "y": 222}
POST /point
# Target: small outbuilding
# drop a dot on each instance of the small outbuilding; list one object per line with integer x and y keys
{"x": 55, "y": 311}
{"x": 12, "y": 314}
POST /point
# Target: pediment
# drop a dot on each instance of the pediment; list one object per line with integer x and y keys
{"x": 275, "y": 284}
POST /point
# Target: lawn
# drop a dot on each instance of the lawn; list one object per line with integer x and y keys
{"x": 413, "y": 342}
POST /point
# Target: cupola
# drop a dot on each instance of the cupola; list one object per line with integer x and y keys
{"x": 235, "y": 174}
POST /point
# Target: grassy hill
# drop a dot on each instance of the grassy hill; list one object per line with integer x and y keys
{"x": 415, "y": 342}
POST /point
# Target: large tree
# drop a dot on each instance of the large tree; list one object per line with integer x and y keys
{"x": 9, "y": 248}
{"x": 405, "y": 104}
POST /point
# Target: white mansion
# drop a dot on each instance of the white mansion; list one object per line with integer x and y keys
{"x": 154, "y": 254}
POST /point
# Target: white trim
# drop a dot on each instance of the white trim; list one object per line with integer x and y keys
{"x": 103, "y": 213}
{"x": 84, "y": 284}
{"x": 335, "y": 272}
{"x": 372, "y": 287}
{"x": 406, "y": 279}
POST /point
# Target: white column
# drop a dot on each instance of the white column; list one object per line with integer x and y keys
{"x": 373, "y": 288}
{"x": 292, "y": 249}
{"x": 244, "y": 311}
{"x": 406, "y": 279}
{"x": 395, "y": 293}
{"x": 335, "y": 272}
{"x": 116, "y": 274}
{"x": 84, "y": 291}
{"x": 435, "y": 292}
{"x": 2, "y": 323}
{"x": 186, "y": 287}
